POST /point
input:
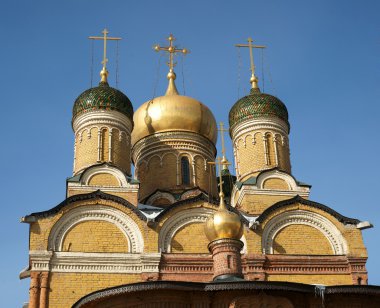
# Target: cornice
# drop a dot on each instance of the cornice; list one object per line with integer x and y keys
{"x": 102, "y": 117}
{"x": 259, "y": 124}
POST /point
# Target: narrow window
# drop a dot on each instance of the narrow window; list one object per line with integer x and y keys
{"x": 185, "y": 169}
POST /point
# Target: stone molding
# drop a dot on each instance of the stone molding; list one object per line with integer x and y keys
{"x": 103, "y": 168}
{"x": 159, "y": 195}
{"x": 79, "y": 262}
{"x": 98, "y": 212}
{"x": 262, "y": 124}
{"x": 296, "y": 217}
{"x": 103, "y": 118}
{"x": 160, "y": 143}
{"x": 173, "y": 224}
{"x": 238, "y": 195}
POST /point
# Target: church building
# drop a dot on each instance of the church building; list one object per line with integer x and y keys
{"x": 186, "y": 228}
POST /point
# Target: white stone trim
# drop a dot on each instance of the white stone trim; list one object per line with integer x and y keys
{"x": 104, "y": 168}
{"x": 183, "y": 218}
{"x": 297, "y": 217}
{"x": 102, "y": 118}
{"x": 98, "y": 212}
{"x": 79, "y": 262}
{"x": 262, "y": 124}
{"x": 237, "y": 196}
{"x": 276, "y": 174}
{"x": 159, "y": 195}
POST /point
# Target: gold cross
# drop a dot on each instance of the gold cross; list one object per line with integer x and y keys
{"x": 222, "y": 130}
{"x": 253, "y": 79}
{"x": 220, "y": 163}
{"x": 172, "y": 50}
{"x": 105, "y": 38}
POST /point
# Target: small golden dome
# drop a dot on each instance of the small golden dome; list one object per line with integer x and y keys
{"x": 223, "y": 224}
{"x": 173, "y": 112}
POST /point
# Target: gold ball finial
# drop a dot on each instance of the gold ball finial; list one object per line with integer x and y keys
{"x": 171, "y": 75}
{"x": 223, "y": 224}
{"x": 103, "y": 75}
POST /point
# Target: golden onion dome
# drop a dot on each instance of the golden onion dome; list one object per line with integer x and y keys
{"x": 223, "y": 224}
{"x": 173, "y": 112}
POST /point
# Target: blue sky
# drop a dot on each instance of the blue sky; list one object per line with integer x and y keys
{"x": 322, "y": 60}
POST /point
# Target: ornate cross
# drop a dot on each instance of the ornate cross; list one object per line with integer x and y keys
{"x": 222, "y": 130}
{"x": 172, "y": 50}
{"x": 105, "y": 38}
{"x": 253, "y": 79}
{"x": 221, "y": 163}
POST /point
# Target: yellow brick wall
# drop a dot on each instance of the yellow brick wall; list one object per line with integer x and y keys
{"x": 277, "y": 184}
{"x": 129, "y": 196}
{"x": 301, "y": 240}
{"x": 87, "y": 150}
{"x": 104, "y": 179}
{"x": 95, "y": 236}
{"x": 351, "y": 234}
{"x": 252, "y": 157}
{"x": 121, "y": 151}
{"x": 344, "y": 279}
{"x": 66, "y": 289}
{"x": 40, "y": 230}
{"x": 190, "y": 239}
{"x": 283, "y": 153}
{"x": 164, "y": 176}
{"x": 205, "y": 179}
{"x": 256, "y": 204}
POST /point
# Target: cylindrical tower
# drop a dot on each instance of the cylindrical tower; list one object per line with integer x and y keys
{"x": 173, "y": 140}
{"x": 259, "y": 130}
{"x": 102, "y": 123}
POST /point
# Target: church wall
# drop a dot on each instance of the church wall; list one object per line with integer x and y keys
{"x": 301, "y": 240}
{"x": 86, "y": 148}
{"x": 40, "y": 230}
{"x": 95, "y": 236}
{"x": 324, "y": 279}
{"x": 103, "y": 179}
{"x": 94, "y": 145}
{"x": 67, "y": 288}
{"x": 121, "y": 150}
{"x": 256, "y": 204}
{"x": 350, "y": 233}
{"x": 257, "y": 150}
{"x": 190, "y": 239}
{"x": 277, "y": 184}
{"x": 129, "y": 196}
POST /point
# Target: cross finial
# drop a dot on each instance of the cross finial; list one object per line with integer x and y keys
{"x": 105, "y": 38}
{"x": 221, "y": 163}
{"x": 253, "y": 79}
{"x": 172, "y": 50}
{"x": 224, "y": 159}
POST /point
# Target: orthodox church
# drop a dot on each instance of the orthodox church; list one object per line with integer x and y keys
{"x": 177, "y": 233}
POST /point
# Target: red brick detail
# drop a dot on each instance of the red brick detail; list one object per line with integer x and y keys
{"x": 34, "y": 290}
{"x": 199, "y": 267}
{"x": 226, "y": 256}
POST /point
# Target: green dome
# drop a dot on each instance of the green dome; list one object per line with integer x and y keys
{"x": 103, "y": 97}
{"x": 256, "y": 105}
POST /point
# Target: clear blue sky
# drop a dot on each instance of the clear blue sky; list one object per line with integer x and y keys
{"x": 322, "y": 61}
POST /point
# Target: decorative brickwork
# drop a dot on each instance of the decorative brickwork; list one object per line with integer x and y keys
{"x": 226, "y": 257}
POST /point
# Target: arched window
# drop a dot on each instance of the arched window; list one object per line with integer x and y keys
{"x": 185, "y": 170}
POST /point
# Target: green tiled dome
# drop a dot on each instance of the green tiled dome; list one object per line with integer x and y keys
{"x": 256, "y": 105}
{"x": 102, "y": 97}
